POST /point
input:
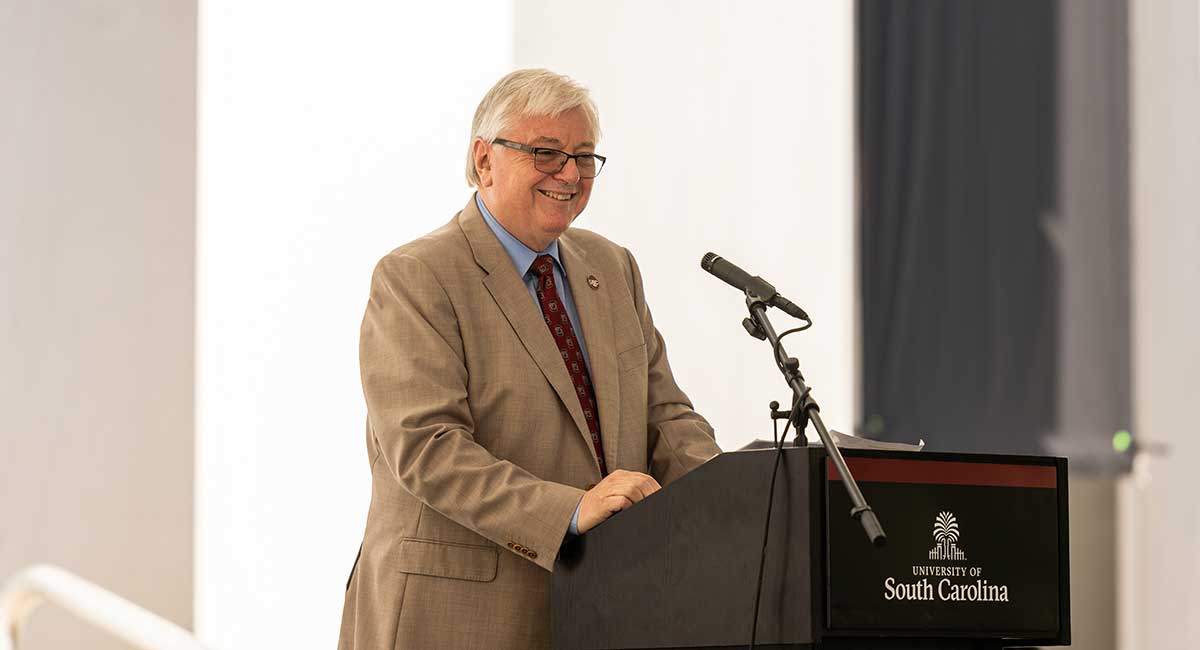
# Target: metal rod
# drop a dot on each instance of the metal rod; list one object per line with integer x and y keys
{"x": 808, "y": 409}
{"x": 23, "y": 592}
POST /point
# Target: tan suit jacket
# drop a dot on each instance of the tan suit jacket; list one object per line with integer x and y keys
{"x": 478, "y": 448}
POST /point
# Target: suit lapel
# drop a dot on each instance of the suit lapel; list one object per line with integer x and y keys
{"x": 511, "y": 294}
{"x": 596, "y": 320}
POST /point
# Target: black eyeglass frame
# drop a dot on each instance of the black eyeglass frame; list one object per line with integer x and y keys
{"x": 533, "y": 151}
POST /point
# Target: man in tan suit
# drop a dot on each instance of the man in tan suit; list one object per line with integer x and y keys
{"x": 517, "y": 390}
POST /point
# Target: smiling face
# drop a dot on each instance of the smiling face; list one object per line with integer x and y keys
{"x": 534, "y": 206}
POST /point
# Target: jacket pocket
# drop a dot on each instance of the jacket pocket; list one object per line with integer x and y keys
{"x": 448, "y": 560}
{"x": 632, "y": 358}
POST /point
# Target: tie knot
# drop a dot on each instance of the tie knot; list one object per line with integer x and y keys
{"x": 542, "y": 266}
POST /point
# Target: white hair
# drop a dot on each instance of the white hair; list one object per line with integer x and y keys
{"x": 532, "y": 92}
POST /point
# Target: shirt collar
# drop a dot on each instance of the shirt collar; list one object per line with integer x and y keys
{"x": 521, "y": 255}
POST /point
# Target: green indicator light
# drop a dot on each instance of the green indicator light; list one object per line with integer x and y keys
{"x": 874, "y": 425}
{"x": 1122, "y": 441}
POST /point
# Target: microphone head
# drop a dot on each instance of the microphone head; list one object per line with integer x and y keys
{"x": 708, "y": 260}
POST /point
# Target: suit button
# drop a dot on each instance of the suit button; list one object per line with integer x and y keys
{"x": 533, "y": 555}
{"x": 512, "y": 545}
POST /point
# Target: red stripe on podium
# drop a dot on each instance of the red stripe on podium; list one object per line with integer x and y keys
{"x": 894, "y": 470}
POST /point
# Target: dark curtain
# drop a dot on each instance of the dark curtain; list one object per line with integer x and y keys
{"x": 957, "y": 137}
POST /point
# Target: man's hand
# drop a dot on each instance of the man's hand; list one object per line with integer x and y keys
{"x": 615, "y": 493}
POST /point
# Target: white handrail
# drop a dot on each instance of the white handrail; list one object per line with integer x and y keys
{"x": 100, "y": 607}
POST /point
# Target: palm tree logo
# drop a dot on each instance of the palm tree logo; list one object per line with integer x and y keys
{"x": 945, "y": 537}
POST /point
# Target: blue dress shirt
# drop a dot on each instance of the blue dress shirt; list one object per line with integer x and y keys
{"x": 522, "y": 258}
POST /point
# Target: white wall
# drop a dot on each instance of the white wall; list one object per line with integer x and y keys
{"x": 97, "y": 168}
{"x": 329, "y": 134}
{"x": 1159, "y": 514}
{"x": 729, "y": 127}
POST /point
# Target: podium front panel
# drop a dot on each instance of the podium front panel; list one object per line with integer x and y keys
{"x": 974, "y": 549}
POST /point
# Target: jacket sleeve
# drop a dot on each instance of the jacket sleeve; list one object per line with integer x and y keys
{"x": 679, "y": 439}
{"x": 415, "y": 382}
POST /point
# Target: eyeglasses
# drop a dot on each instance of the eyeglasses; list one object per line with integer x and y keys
{"x": 552, "y": 161}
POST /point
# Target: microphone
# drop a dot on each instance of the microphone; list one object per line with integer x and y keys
{"x": 735, "y": 277}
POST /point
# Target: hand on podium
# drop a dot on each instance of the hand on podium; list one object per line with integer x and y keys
{"x": 614, "y": 493}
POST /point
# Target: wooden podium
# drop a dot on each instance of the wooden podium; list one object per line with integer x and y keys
{"x": 976, "y": 557}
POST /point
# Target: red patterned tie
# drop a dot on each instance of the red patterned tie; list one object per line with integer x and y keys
{"x": 564, "y": 336}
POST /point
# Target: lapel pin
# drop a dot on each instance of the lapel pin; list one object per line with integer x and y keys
{"x": 593, "y": 282}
